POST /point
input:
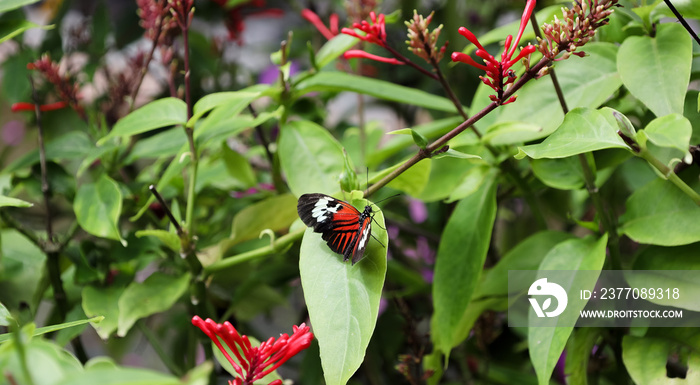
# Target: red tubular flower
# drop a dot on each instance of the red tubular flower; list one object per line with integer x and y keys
{"x": 498, "y": 72}
{"x": 66, "y": 89}
{"x": 375, "y": 32}
{"x": 255, "y": 362}
{"x": 22, "y": 106}
{"x": 356, "y": 53}
{"x": 313, "y": 18}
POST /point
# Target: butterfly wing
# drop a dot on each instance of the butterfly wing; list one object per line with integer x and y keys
{"x": 342, "y": 226}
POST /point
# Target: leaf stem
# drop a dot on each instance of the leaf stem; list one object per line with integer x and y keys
{"x": 278, "y": 244}
{"x": 670, "y": 175}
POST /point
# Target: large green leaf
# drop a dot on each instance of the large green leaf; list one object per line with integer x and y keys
{"x": 103, "y": 301}
{"x": 156, "y": 294}
{"x": 583, "y": 130}
{"x": 527, "y": 255}
{"x": 334, "y": 48}
{"x": 234, "y": 102}
{"x": 646, "y": 358}
{"x": 586, "y": 82}
{"x": 160, "y": 113}
{"x": 73, "y": 145}
{"x": 46, "y": 363}
{"x": 275, "y": 213}
{"x": 341, "y": 81}
{"x": 661, "y": 214}
{"x": 547, "y": 343}
{"x": 343, "y": 299}
{"x": 656, "y": 70}
{"x": 22, "y": 265}
{"x": 460, "y": 260}
{"x": 310, "y": 157}
{"x": 578, "y": 354}
{"x": 8, "y": 5}
{"x": 672, "y": 131}
{"x": 97, "y": 208}
{"x": 13, "y": 202}
{"x": 119, "y": 376}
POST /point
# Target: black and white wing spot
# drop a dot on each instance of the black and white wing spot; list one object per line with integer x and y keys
{"x": 323, "y": 207}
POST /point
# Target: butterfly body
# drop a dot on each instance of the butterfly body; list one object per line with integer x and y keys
{"x": 345, "y": 229}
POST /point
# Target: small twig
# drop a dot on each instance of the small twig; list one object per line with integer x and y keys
{"x": 682, "y": 20}
{"x": 169, "y": 213}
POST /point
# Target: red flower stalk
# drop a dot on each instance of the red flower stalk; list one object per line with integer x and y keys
{"x": 357, "y": 53}
{"x": 183, "y": 12}
{"x": 22, "y": 106}
{"x": 498, "y": 72}
{"x": 313, "y": 18}
{"x": 255, "y": 362}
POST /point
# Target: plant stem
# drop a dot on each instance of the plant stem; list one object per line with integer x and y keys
{"x": 50, "y": 248}
{"x": 423, "y": 154}
{"x": 682, "y": 20}
{"x": 169, "y": 213}
{"x": 276, "y": 245}
{"x": 153, "y": 340}
{"x": 587, "y": 162}
{"x": 670, "y": 175}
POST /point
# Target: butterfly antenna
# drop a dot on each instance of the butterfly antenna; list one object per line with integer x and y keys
{"x": 375, "y": 238}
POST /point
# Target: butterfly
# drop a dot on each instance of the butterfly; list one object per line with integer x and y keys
{"x": 345, "y": 229}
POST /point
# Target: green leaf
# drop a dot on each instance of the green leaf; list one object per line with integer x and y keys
{"x": 160, "y": 113}
{"x": 343, "y": 299}
{"x": 22, "y": 265}
{"x": 445, "y": 175}
{"x": 471, "y": 182}
{"x": 103, "y": 301}
{"x": 669, "y": 267}
{"x": 156, "y": 294}
{"x": 5, "y": 317}
{"x": 585, "y": 82}
{"x": 420, "y": 140}
{"x": 341, "y": 81}
{"x": 656, "y": 70}
{"x": 672, "y": 130}
{"x": 98, "y": 206}
{"x": 661, "y": 214}
{"x": 547, "y": 343}
{"x": 174, "y": 169}
{"x": 505, "y": 133}
{"x": 73, "y": 145}
{"x": 8, "y": 5}
{"x": 310, "y": 157}
{"x": 234, "y": 102}
{"x": 171, "y": 240}
{"x": 413, "y": 180}
{"x": 119, "y": 376}
{"x": 430, "y": 130}
{"x": 275, "y": 213}
{"x": 527, "y": 255}
{"x": 238, "y": 166}
{"x": 578, "y": 354}
{"x": 53, "y": 328}
{"x": 562, "y": 174}
{"x": 583, "y": 130}
{"x": 46, "y": 363}
{"x": 334, "y": 48}
{"x": 450, "y": 153}
{"x": 12, "y": 28}
{"x": 348, "y": 178}
{"x": 13, "y": 202}
{"x": 460, "y": 260}
{"x": 645, "y": 359}
{"x": 165, "y": 143}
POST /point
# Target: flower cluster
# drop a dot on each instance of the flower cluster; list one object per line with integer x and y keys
{"x": 498, "y": 72}
{"x": 66, "y": 88}
{"x": 157, "y": 20}
{"x": 421, "y": 41}
{"x": 252, "y": 363}
{"x": 577, "y": 27}
{"x": 183, "y": 12}
{"x": 374, "y": 33}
